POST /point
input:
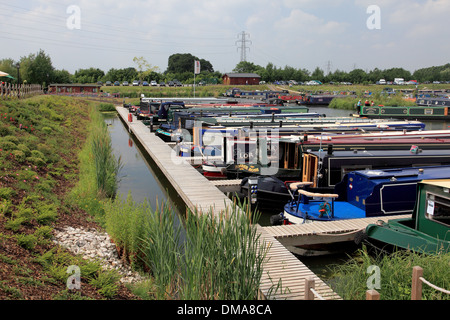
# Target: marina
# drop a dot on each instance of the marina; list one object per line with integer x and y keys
{"x": 198, "y": 193}
{"x": 287, "y": 242}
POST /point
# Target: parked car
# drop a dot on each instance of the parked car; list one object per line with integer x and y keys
{"x": 99, "y": 83}
{"x": 145, "y": 84}
{"x": 170, "y": 84}
{"x": 153, "y": 83}
{"x": 108, "y": 83}
{"x": 125, "y": 83}
{"x": 162, "y": 84}
{"x": 116, "y": 83}
{"x": 135, "y": 83}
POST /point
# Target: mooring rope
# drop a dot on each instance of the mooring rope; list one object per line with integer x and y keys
{"x": 316, "y": 294}
{"x": 434, "y": 286}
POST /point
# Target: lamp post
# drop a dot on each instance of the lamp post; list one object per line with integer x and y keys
{"x": 18, "y": 72}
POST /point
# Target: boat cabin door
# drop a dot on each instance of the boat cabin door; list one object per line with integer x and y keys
{"x": 309, "y": 169}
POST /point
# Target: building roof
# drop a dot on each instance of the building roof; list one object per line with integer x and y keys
{"x": 242, "y": 75}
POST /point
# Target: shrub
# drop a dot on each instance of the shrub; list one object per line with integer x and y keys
{"x": 22, "y": 147}
{"x": 46, "y": 214}
{"x": 26, "y": 241}
{"x": 7, "y": 145}
{"x": 7, "y": 193}
{"x": 36, "y": 161}
{"x": 19, "y": 155}
{"x": 12, "y": 139}
{"x": 106, "y": 282}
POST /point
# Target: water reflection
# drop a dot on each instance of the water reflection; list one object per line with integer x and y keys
{"x": 139, "y": 175}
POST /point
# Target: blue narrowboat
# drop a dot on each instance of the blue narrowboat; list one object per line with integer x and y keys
{"x": 361, "y": 194}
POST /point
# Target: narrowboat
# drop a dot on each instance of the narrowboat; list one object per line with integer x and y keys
{"x": 428, "y": 229}
{"x": 325, "y": 169}
{"x": 429, "y": 112}
{"x": 429, "y": 101}
{"x": 361, "y": 194}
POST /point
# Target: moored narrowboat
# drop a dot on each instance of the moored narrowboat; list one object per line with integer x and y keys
{"x": 361, "y": 194}
{"x": 428, "y": 229}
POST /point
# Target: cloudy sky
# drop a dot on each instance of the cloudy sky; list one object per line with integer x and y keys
{"x": 330, "y": 34}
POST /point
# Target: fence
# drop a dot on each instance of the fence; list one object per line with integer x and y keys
{"x": 416, "y": 287}
{"x": 10, "y": 91}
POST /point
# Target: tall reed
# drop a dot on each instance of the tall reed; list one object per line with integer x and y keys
{"x": 107, "y": 166}
{"x": 203, "y": 257}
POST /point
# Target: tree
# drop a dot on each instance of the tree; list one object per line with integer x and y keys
{"x": 91, "y": 75}
{"x": 144, "y": 68}
{"x": 246, "y": 67}
{"x": 37, "y": 68}
{"x": 318, "y": 74}
{"x": 184, "y": 62}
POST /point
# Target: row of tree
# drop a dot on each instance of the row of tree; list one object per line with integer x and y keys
{"x": 272, "y": 73}
{"x": 37, "y": 68}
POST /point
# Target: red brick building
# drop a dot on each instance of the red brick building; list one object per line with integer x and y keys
{"x": 74, "y": 88}
{"x": 241, "y": 79}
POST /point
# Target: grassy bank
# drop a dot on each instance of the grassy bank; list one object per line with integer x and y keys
{"x": 40, "y": 140}
{"x": 350, "y": 280}
{"x": 58, "y": 170}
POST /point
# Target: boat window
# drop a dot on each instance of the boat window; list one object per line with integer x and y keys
{"x": 438, "y": 209}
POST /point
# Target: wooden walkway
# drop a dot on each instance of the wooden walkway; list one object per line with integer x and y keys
{"x": 323, "y": 232}
{"x": 283, "y": 274}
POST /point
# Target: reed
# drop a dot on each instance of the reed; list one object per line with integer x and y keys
{"x": 106, "y": 165}
{"x": 200, "y": 258}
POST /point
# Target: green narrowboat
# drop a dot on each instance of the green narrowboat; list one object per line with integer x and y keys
{"x": 430, "y": 112}
{"x": 428, "y": 229}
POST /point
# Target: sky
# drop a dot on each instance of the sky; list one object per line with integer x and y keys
{"x": 329, "y": 34}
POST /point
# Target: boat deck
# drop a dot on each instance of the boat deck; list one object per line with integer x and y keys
{"x": 281, "y": 266}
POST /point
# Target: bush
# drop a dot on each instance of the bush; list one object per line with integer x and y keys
{"x": 22, "y": 147}
{"x": 26, "y": 241}
{"x": 19, "y": 155}
{"x": 7, "y": 193}
{"x": 7, "y": 145}
{"x": 36, "y": 161}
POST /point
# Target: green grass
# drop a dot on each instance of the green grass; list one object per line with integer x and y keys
{"x": 350, "y": 280}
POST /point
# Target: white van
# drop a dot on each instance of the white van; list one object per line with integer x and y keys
{"x": 382, "y": 81}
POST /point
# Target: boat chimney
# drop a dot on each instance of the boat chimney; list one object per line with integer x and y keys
{"x": 421, "y": 170}
{"x": 281, "y": 123}
{"x": 330, "y": 149}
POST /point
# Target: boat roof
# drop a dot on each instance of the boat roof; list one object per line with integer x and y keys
{"x": 444, "y": 183}
{"x": 382, "y": 153}
{"x": 415, "y": 173}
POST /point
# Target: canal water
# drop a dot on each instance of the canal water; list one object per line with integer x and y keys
{"x": 144, "y": 180}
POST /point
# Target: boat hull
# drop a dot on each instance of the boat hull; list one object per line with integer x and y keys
{"x": 406, "y": 112}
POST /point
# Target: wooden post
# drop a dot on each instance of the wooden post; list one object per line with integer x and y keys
{"x": 416, "y": 287}
{"x": 372, "y": 295}
{"x": 309, "y": 283}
